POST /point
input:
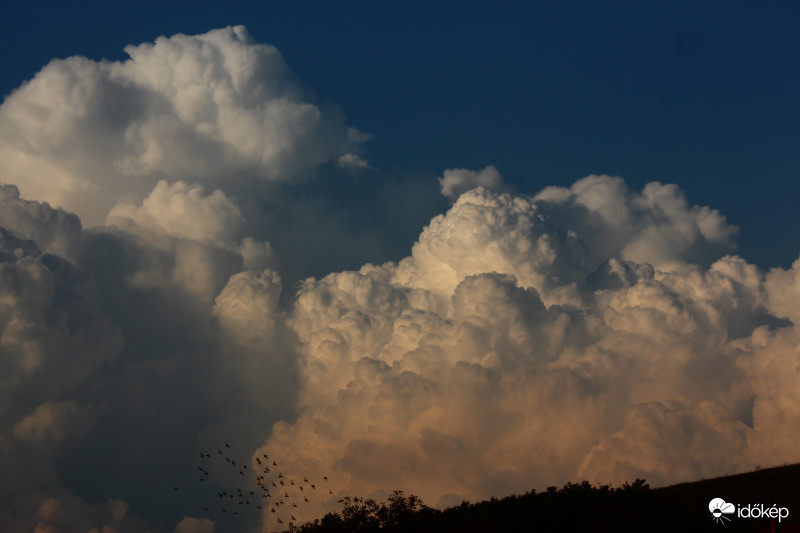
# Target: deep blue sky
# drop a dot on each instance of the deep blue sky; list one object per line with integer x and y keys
{"x": 702, "y": 94}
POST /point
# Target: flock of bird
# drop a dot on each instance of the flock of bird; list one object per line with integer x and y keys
{"x": 275, "y": 493}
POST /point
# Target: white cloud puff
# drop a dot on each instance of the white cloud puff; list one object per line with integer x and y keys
{"x": 85, "y": 135}
{"x": 189, "y": 239}
{"x": 459, "y": 180}
{"x": 184, "y": 211}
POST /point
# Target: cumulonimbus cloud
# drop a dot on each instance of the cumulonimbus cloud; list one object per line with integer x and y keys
{"x": 589, "y": 331}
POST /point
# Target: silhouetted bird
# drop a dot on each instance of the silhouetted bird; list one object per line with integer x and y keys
{"x": 306, "y": 499}
{"x": 176, "y": 487}
{"x": 227, "y": 445}
{"x": 313, "y": 487}
{"x": 325, "y": 478}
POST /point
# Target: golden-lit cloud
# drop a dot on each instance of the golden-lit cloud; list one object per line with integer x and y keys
{"x": 591, "y": 331}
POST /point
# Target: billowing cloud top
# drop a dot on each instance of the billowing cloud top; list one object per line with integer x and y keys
{"x": 590, "y": 331}
{"x": 84, "y": 134}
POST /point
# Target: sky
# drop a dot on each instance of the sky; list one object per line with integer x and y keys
{"x": 454, "y": 249}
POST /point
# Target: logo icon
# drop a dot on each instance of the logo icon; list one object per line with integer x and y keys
{"x": 719, "y": 508}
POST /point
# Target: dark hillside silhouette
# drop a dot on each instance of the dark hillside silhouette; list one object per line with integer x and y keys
{"x": 582, "y": 507}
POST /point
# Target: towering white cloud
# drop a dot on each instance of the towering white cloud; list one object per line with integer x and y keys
{"x": 85, "y": 135}
{"x": 580, "y": 333}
